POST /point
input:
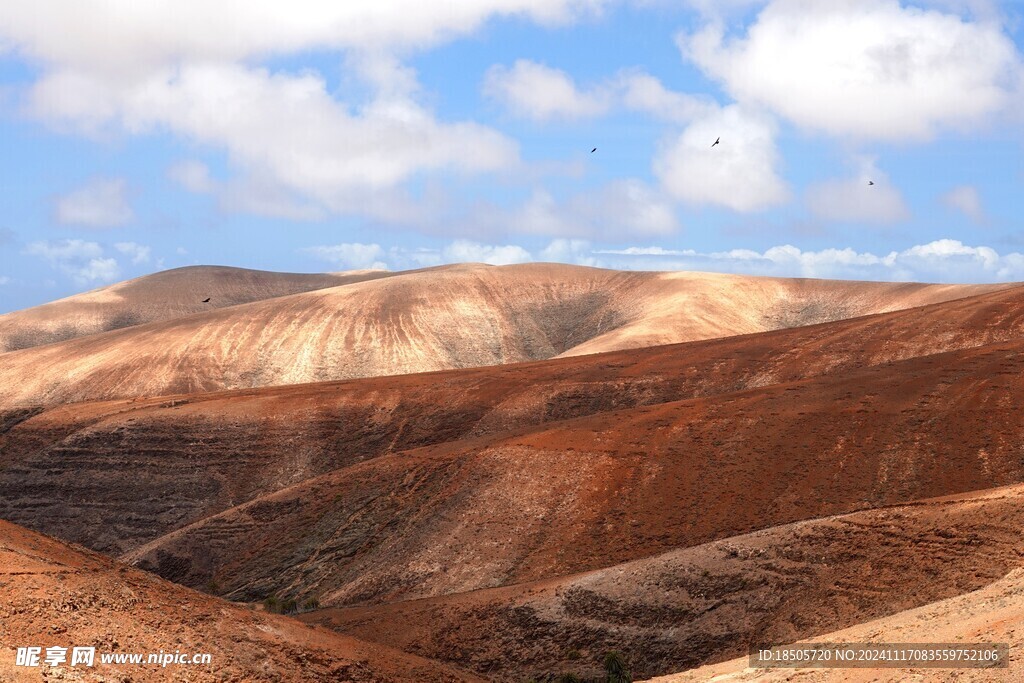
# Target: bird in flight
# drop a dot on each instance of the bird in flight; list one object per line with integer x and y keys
{"x": 206, "y": 300}
{"x": 593, "y": 150}
{"x": 717, "y": 140}
{"x": 871, "y": 182}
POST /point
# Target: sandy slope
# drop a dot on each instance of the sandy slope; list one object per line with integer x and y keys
{"x": 452, "y": 317}
{"x": 688, "y": 606}
{"x": 58, "y": 595}
{"x": 162, "y": 296}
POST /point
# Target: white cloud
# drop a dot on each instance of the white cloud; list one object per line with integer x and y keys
{"x": 351, "y": 255}
{"x": 194, "y": 176}
{"x": 854, "y": 200}
{"x": 4, "y": 280}
{"x": 739, "y": 173}
{"x": 464, "y": 251}
{"x": 569, "y": 251}
{"x": 863, "y": 68}
{"x": 541, "y": 93}
{"x": 640, "y": 91}
{"x": 125, "y": 37}
{"x": 83, "y": 261}
{"x": 299, "y": 150}
{"x": 618, "y": 208}
{"x": 939, "y": 261}
{"x": 101, "y": 203}
{"x": 284, "y": 131}
{"x": 138, "y": 253}
{"x": 966, "y": 200}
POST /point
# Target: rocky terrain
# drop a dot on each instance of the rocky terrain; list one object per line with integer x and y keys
{"x": 685, "y": 607}
{"x": 56, "y": 595}
{"x": 565, "y": 482}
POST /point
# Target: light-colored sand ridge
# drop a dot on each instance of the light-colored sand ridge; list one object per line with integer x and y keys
{"x": 453, "y": 317}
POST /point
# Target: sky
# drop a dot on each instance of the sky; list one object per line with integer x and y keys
{"x": 316, "y": 135}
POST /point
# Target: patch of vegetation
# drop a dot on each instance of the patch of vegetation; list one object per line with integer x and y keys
{"x": 615, "y": 668}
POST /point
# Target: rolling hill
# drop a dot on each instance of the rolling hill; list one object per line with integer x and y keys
{"x": 439, "y": 318}
{"x": 56, "y": 595}
{"x": 159, "y": 297}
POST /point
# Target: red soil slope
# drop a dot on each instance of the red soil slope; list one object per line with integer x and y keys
{"x": 686, "y": 607}
{"x": 56, "y": 595}
{"x": 76, "y": 470}
{"x": 595, "y": 491}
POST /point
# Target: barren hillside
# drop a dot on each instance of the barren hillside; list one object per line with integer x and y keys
{"x": 686, "y": 607}
{"x": 56, "y": 595}
{"x": 73, "y": 470}
{"x": 451, "y": 317}
{"x": 162, "y": 296}
{"x": 595, "y": 491}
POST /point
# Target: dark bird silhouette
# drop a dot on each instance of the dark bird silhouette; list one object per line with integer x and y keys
{"x": 593, "y": 150}
{"x": 871, "y": 182}
{"x": 206, "y": 300}
{"x": 717, "y": 140}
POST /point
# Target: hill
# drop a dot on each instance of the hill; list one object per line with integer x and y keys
{"x": 441, "y": 318}
{"x": 159, "y": 297}
{"x": 56, "y": 595}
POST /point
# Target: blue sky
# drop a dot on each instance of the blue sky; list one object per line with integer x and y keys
{"x": 311, "y": 136}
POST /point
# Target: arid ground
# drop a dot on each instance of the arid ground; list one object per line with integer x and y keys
{"x": 476, "y": 473}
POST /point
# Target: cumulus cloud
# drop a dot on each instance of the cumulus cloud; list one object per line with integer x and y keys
{"x": 282, "y": 130}
{"x": 541, "y": 93}
{"x": 966, "y": 200}
{"x": 464, "y": 251}
{"x": 617, "y": 208}
{"x": 351, "y": 255}
{"x": 870, "y": 69}
{"x": 943, "y": 260}
{"x": 194, "y": 176}
{"x": 739, "y": 174}
{"x": 853, "y": 200}
{"x": 135, "y": 36}
{"x": 138, "y": 253}
{"x": 192, "y": 70}
{"x": 101, "y": 203}
{"x": 82, "y": 260}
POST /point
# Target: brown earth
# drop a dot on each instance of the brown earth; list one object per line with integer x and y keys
{"x": 162, "y": 296}
{"x": 993, "y": 614}
{"x": 439, "y": 318}
{"x": 76, "y": 470}
{"x": 686, "y": 607}
{"x": 636, "y": 467}
{"x": 591, "y": 492}
{"x": 56, "y": 595}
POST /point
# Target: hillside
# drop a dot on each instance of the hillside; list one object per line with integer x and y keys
{"x": 72, "y": 470}
{"x": 686, "y": 607}
{"x": 56, "y": 595}
{"x": 435, "y": 319}
{"x": 159, "y": 297}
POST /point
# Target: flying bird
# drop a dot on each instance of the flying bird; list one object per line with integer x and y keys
{"x": 871, "y": 182}
{"x": 593, "y": 150}
{"x": 206, "y": 300}
{"x": 717, "y": 140}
